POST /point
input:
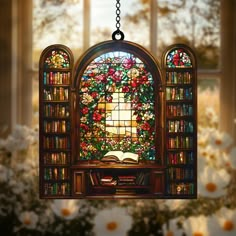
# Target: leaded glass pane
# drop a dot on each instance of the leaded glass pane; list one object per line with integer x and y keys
{"x": 57, "y": 59}
{"x": 117, "y": 107}
{"x": 178, "y": 58}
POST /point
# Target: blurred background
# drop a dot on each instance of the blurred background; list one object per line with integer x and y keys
{"x": 29, "y": 26}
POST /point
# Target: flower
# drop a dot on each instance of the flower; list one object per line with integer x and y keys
{"x": 29, "y": 219}
{"x": 86, "y": 99}
{"x": 66, "y": 209}
{"x": 114, "y": 221}
{"x": 4, "y": 171}
{"x": 212, "y": 182}
{"x": 226, "y": 219}
{"x": 198, "y": 226}
{"x": 171, "y": 228}
{"x": 232, "y": 158}
{"x": 220, "y": 140}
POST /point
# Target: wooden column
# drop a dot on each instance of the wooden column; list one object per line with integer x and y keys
{"x": 5, "y": 67}
{"x": 22, "y": 62}
{"x": 228, "y": 68}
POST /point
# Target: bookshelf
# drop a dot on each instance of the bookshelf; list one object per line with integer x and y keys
{"x": 179, "y": 66}
{"x": 117, "y": 97}
{"x": 55, "y": 76}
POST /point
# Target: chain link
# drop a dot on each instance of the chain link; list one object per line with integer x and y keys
{"x": 118, "y": 15}
{"x": 118, "y": 32}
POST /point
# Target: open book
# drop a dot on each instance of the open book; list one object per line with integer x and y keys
{"x": 119, "y": 156}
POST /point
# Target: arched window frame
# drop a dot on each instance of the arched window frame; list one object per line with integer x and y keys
{"x": 152, "y": 67}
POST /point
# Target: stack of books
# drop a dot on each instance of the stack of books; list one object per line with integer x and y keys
{"x": 108, "y": 181}
{"x": 126, "y": 180}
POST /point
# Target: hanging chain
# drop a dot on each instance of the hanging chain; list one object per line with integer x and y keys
{"x": 118, "y": 15}
{"x": 118, "y": 32}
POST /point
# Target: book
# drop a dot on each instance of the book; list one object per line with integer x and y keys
{"x": 122, "y": 157}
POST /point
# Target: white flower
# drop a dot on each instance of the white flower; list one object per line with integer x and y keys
{"x": 212, "y": 156}
{"x": 211, "y": 115}
{"x": 21, "y": 138}
{"x": 212, "y": 182}
{"x": 172, "y": 228}
{"x": 28, "y": 219}
{"x": 232, "y": 158}
{"x": 220, "y": 140}
{"x": 4, "y": 174}
{"x": 175, "y": 204}
{"x": 198, "y": 226}
{"x": 226, "y": 219}
{"x": 113, "y": 221}
{"x": 66, "y": 209}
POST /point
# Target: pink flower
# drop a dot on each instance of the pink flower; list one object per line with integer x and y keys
{"x": 127, "y": 63}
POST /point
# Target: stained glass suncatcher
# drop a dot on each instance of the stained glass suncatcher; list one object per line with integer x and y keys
{"x": 178, "y": 58}
{"x": 116, "y": 101}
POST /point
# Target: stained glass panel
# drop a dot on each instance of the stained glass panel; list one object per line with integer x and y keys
{"x": 57, "y": 59}
{"x": 178, "y": 58}
{"x": 117, "y": 107}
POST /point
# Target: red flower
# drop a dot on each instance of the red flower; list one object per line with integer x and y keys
{"x": 94, "y": 94}
{"x": 85, "y": 110}
{"x": 117, "y": 77}
{"x": 125, "y": 89}
{"x": 145, "y": 126}
{"x": 101, "y": 78}
{"x": 109, "y": 98}
{"x": 84, "y": 127}
{"x": 111, "y": 71}
{"x": 138, "y": 118}
{"x": 97, "y": 116}
{"x": 83, "y": 145}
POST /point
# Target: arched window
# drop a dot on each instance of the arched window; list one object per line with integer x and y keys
{"x": 118, "y": 102}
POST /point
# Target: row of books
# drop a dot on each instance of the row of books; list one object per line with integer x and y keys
{"x": 56, "y": 94}
{"x": 50, "y": 78}
{"x": 56, "y": 189}
{"x": 177, "y": 93}
{"x": 56, "y": 142}
{"x": 180, "y": 110}
{"x": 181, "y": 188}
{"x": 178, "y": 77}
{"x": 56, "y": 110}
{"x": 56, "y": 173}
{"x": 180, "y": 142}
{"x": 121, "y": 180}
{"x": 180, "y": 126}
{"x": 177, "y": 173}
{"x": 182, "y": 157}
{"x": 59, "y": 158}
{"x": 56, "y": 126}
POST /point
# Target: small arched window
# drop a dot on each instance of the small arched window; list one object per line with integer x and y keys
{"x": 118, "y": 103}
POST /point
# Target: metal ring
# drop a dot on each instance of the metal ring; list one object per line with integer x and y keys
{"x": 118, "y": 32}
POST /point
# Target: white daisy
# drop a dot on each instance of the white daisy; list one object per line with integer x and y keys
{"x": 198, "y": 226}
{"x": 212, "y": 182}
{"x": 66, "y": 209}
{"x": 226, "y": 219}
{"x": 172, "y": 229}
{"x": 220, "y": 140}
{"x": 28, "y": 219}
{"x": 212, "y": 156}
{"x": 114, "y": 221}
